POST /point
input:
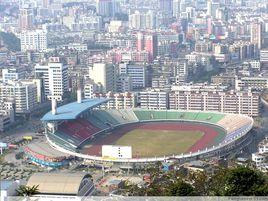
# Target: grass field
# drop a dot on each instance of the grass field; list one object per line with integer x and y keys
{"x": 150, "y": 143}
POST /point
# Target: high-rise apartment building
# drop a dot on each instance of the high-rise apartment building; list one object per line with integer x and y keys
{"x": 125, "y": 100}
{"x": 138, "y": 73}
{"x": 107, "y": 8}
{"x": 256, "y": 33}
{"x": 147, "y": 42}
{"x": 222, "y": 101}
{"x": 176, "y": 8}
{"x": 139, "y": 21}
{"x": 103, "y": 75}
{"x": 264, "y": 58}
{"x": 26, "y": 19}
{"x": 154, "y": 99}
{"x": 55, "y": 78}
{"x": 35, "y": 40}
{"x": 23, "y": 94}
{"x": 166, "y": 6}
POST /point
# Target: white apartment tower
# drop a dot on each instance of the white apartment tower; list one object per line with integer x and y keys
{"x": 103, "y": 74}
{"x": 154, "y": 99}
{"x": 35, "y": 40}
{"x": 24, "y": 95}
{"x": 12, "y": 74}
{"x": 55, "y": 78}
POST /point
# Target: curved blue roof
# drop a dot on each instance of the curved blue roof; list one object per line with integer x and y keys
{"x": 72, "y": 110}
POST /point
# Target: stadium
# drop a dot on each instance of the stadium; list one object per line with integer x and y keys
{"x": 86, "y": 130}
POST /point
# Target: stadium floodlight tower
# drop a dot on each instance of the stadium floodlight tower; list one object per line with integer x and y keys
{"x": 79, "y": 91}
{"x": 53, "y": 99}
{"x": 53, "y": 105}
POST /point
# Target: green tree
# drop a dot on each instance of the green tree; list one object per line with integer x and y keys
{"x": 200, "y": 181}
{"x": 180, "y": 188}
{"x": 241, "y": 181}
{"x": 10, "y": 41}
{"x": 27, "y": 190}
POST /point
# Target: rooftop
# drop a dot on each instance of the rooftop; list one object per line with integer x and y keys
{"x": 72, "y": 110}
{"x": 45, "y": 149}
{"x": 63, "y": 183}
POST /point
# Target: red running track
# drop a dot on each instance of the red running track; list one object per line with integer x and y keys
{"x": 207, "y": 139}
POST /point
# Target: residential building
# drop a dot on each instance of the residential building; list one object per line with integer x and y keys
{"x": 54, "y": 76}
{"x": 188, "y": 98}
{"x": 107, "y": 8}
{"x": 24, "y": 95}
{"x": 255, "y": 83}
{"x": 260, "y": 158}
{"x": 138, "y": 73}
{"x": 7, "y": 114}
{"x": 256, "y": 33}
{"x": 264, "y": 59}
{"x": 124, "y": 83}
{"x": 103, "y": 75}
{"x": 26, "y": 18}
{"x": 125, "y": 100}
{"x": 12, "y": 74}
{"x": 33, "y": 40}
{"x": 154, "y": 99}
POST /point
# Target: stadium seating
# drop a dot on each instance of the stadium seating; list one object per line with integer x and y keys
{"x": 120, "y": 118}
{"x": 129, "y": 114}
{"x": 188, "y": 115}
{"x": 96, "y": 121}
{"x": 143, "y": 115}
{"x": 106, "y": 117}
{"x": 63, "y": 134}
{"x": 209, "y": 117}
{"x": 158, "y": 115}
{"x": 174, "y": 115}
{"x": 58, "y": 140}
{"x": 232, "y": 122}
{"x": 77, "y": 131}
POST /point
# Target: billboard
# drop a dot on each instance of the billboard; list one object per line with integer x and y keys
{"x": 117, "y": 152}
{"x": 29, "y": 138}
{"x": 3, "y": 145}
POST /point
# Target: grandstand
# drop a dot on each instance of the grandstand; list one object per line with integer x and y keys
{"x": 69, "y": 130}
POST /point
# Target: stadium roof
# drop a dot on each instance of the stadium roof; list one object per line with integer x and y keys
{"x": 73, "y": 110}
{"x": 57, "y": 183}
{"x": 45, "y": 149}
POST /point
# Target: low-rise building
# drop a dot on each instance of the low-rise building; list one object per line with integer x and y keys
{"x": 256, "y": 83}
{"x": 260, "y": 158}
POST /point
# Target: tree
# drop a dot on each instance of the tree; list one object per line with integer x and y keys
{"x": 27, "y": 190}
{"x": 241, "y": 181}
{"x": 180, "y": 188}
{"x": 200, "y": 181}
{"x": 10, "y": 40}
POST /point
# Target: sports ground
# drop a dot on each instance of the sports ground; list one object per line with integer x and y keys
{"x": 154, "y": 139}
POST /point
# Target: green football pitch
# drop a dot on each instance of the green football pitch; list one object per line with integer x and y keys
{"x": 151, "y": 143}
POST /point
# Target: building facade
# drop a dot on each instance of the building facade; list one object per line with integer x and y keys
{"x": 154, "y": 99}
{"x": 24, "y": 95}
{"x": 35, "y": 40}
{"x": 54, "y": 76}
{"x": 222, "y": 101}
